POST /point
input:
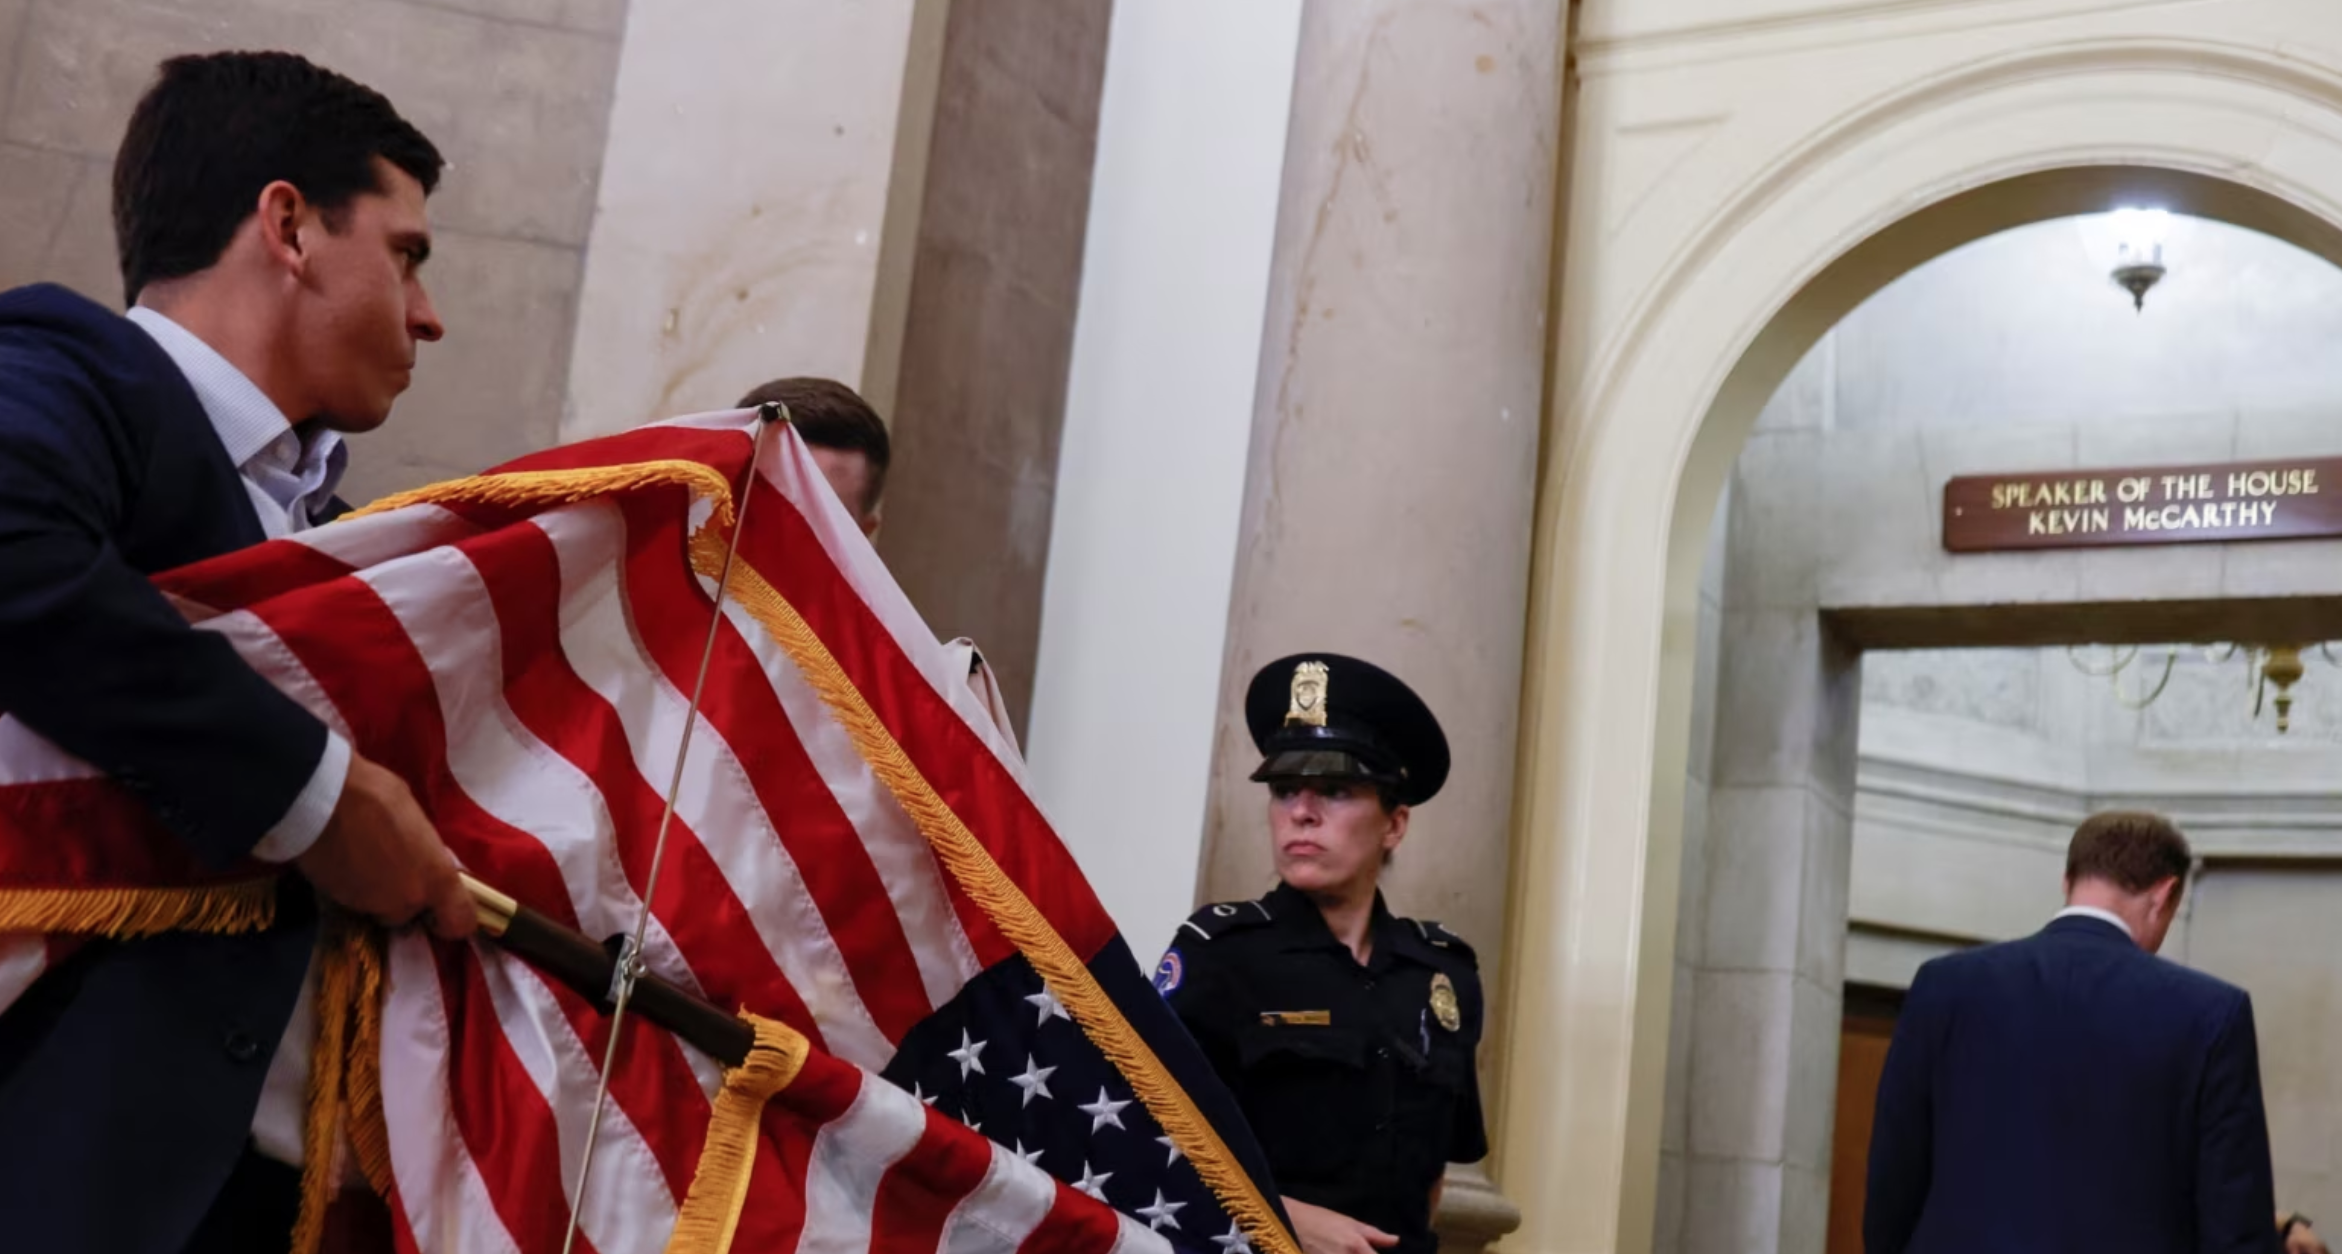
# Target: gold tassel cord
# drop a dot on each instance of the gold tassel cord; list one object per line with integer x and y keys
{"x": 975, "y": 871}
{"x": 522, "y": 489}
{"x": 124, "y": 913}
{"x": 328, "y": 1066}
{"x": 719, "y": 1188}
{"x": 369, "y": 1134}
{"x": 345, "y": 1075}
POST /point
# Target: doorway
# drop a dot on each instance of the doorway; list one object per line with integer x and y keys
{"x": 1869, "y": 1026}
{"x": 1828, "y": 593}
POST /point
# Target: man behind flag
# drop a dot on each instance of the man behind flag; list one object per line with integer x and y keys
{"x": 852, "y": 855}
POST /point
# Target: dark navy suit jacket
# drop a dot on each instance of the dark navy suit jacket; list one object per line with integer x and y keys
{"x": 2066, "y": 1094}
{"x": 128, "y": 1075}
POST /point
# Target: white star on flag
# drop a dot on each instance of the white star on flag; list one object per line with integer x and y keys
{"x": 1093, "y": 1183}
{"x": 1035, "y": 1081}
{"x": 1103, "y": 1111}
{"x": 925, "y": 1098}
{"x": 967, "y": 1055}
{"x": 1034, "y": 1157}
{"x": 1049, "y": 1007}
{"x": 1159, "y": 1215}
{"x": 1235, "y": 1242}
{"x": 1171, "y": 1146}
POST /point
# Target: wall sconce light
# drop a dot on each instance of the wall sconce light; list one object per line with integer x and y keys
{"x": 2138, "y": 260}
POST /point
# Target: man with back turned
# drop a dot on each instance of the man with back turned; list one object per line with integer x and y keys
{"x": 2071, "y": 1092}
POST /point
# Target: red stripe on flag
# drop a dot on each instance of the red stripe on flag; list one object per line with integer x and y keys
{"x": 956, "y": 761}
{"x": 353, "y": 643}
{"x": 917, "y": 1194}
{"x": 671, "y": 611}
{"x": 116, "y": 840}
{"x": 1076, "y": 1224}
{"x": 824, "y": 1090}
{"x": 706, "y": 919}
{"x": 504, "y": 1120}
{"x": 725, "y": 448}
{"x": 402, "y": 1229}
{"x": 249, "y": 576}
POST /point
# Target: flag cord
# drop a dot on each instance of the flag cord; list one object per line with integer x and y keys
{"x": 630, "y": 965}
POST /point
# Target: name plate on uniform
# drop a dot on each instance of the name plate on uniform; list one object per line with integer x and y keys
{"x": 2278, "y": 500}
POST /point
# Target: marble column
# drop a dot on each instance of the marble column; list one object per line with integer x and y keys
{"x": 1768, "y": 839}
{"x": 980, "y": 396}
{"x": 1391, "y": 479}
{"x": 763, "y": 158}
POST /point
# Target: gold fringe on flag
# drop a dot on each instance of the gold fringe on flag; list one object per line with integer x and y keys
{"x": 369, "y": 1135}
{"x": 124, "y": 913}
{"x": 719, "y": 1188}
{"x": 345, "y": 1074}
{"x": 522, "y": 489}
{"x": 973, "y": 868}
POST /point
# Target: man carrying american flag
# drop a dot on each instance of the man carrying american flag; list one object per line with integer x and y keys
{"x": 852, "y": 855}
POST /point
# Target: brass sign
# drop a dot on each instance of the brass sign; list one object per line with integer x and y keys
{"x": 2277, "y": 500}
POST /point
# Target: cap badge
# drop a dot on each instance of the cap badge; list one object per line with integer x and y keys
{"x": 1308, "y": 707}
{"x": 1443, "y": 1002}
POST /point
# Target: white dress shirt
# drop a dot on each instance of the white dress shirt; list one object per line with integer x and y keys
{"x": 2093, "y": 912}
{"x": 289, "y": 481}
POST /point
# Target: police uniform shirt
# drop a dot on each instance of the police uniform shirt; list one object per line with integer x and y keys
{"x": 1358, "y": 1080}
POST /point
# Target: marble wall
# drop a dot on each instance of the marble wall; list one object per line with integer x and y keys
{"x": 2275, "y": 930}
{"x": 753, "y": 150}
{"x": 979, "y": 396}
{"x": 516, "y": 93}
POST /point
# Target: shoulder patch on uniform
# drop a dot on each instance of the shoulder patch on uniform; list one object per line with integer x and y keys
{"x": 1442, "y": 938}
{"x": 1170, "y": 972}
{"x": 1221, "y": 918}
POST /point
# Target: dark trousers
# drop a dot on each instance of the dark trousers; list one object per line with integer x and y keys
{"x": 258, "y": 1206}
{"x": 255, "y": 1209}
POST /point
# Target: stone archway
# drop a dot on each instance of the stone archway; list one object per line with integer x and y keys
{"x": 1669, "y": 342}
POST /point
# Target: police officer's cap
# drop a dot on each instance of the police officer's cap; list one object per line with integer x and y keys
{"x": 1325, "y": 716}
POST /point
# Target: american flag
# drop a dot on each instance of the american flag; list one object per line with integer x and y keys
{"x": 854, "y": 853}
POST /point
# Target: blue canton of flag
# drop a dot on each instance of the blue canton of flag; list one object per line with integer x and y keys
{"x": 1006, "y": 1059}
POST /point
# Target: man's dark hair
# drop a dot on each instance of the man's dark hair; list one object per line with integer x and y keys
{"x": 2130, "y": 849}
{"x": 828, "y": 414}
{"x": 216, "y": 128}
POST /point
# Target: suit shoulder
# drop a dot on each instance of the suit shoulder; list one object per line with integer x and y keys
{"x": 1946, "y": 974}
{"x": 1224, "y": 918}
{"x": 2209, "y": 989}
{"x": 1959, "y": 962}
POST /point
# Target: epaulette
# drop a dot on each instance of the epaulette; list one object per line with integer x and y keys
{"x": 1441, "y": 938}
{"x": 1221, "y": 918}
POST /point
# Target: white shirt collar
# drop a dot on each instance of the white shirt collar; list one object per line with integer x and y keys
{"x": 279, "y": 469}
{"x": 2093, "y": 912}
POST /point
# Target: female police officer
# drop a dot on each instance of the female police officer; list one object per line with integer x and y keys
{"x": 1347, "y": 1034}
